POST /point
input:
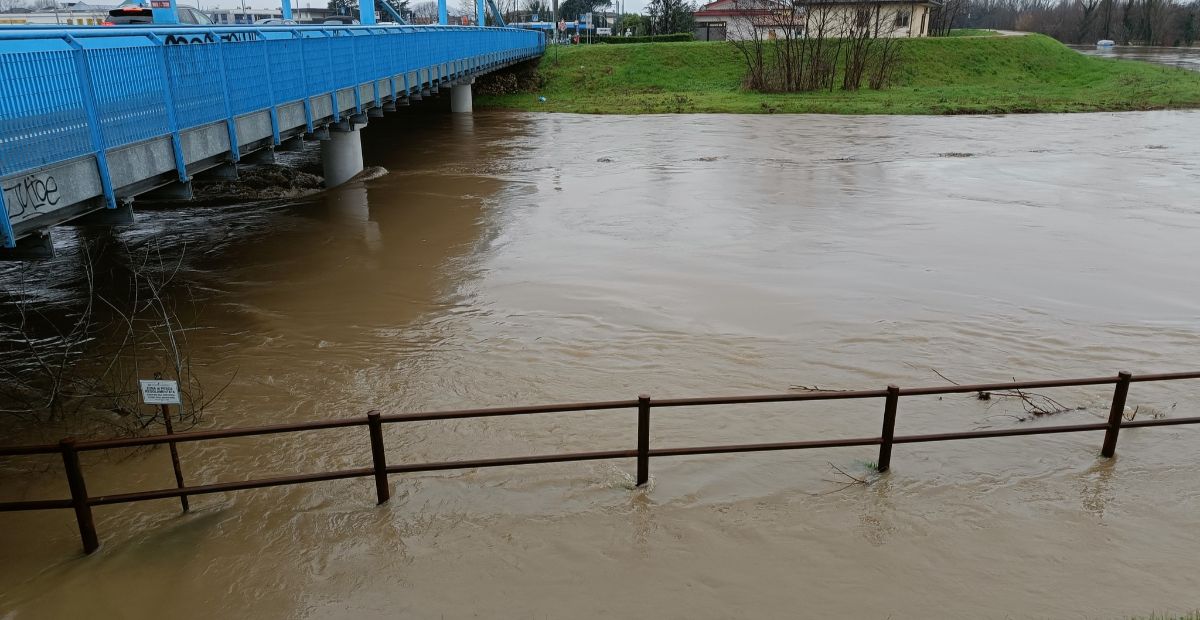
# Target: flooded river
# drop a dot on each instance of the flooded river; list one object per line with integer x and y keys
{"x": 1184, "y": 57}
{"x": 520, "y": 259}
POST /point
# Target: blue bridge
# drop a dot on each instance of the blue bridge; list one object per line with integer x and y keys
{"x": 91, "y": 117}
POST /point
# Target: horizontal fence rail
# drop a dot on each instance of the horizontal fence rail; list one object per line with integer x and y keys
{"x": 82, "y": 502}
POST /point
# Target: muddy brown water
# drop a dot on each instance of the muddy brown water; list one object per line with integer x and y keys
{"x": 517, "y": 259}
{"x": 1183, "y": 57}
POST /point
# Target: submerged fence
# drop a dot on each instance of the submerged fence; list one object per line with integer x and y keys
{"x": 82, "y": 503}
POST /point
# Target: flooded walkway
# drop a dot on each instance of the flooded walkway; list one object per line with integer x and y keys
{"x": 1182, "y": 57}
{"x": 548, "y": 258}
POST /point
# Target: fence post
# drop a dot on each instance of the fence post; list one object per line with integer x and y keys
{"x": 378, "y": 456}
{"x": 889, "y": 428}
{"x": 183, "y": 499}
{"x": 643, "y": 451}
{"x": 1115, "y": 414}
{"x": 79, "y": 496}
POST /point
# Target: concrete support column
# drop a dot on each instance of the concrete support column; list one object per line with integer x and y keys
{"x": 341, "y": 156}
{"x": 460, "y": 99}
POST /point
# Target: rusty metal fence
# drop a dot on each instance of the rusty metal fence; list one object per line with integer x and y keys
{"x": 81, "y": 502}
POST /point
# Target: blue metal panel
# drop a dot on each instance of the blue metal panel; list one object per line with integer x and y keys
{"x": 42, "y": 119}
{"x": 230, "y": 121}
{"x": 172, "y": 121}
{"x": 128, "y": 85}
{"x": 287, "y": 70}
{"x": 246, "y": 72}
{"x": 344, "y": 61}
{"x": 87, "y": 94}
{"x": 270, "y": 80}
{"x": 317, "y": 66}
{"x": 196, "y": 81}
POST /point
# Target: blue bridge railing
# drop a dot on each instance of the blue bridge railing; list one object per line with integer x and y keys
{"x": 83, "y": 92}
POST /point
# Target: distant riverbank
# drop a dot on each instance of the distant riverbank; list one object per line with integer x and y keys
{"x": 954, "y": 75}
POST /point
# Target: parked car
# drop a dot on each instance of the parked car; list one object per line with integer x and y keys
{"x": 344, "y": 20}
{"x": 276, "y": 21}
{"x": 142, "y": 14}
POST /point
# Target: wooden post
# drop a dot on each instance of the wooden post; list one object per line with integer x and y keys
{"x": 79, "y": 496}
{"x": 1115, "y": 414}
{"x": 166, "y": 412}
{"x": 889, "y": 428}
{"x": 378, "y": 456}
{"x": 643, "y": 450}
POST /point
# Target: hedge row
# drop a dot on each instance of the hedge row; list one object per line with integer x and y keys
{"x": 658, "y": 38}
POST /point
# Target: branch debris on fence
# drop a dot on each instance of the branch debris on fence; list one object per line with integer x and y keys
{"x": 1035, "y": 404}
{"x": 848, "y": 481}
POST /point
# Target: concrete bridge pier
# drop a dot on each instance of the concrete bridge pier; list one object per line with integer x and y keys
{"x": 291, "y": 144}
{"x": 37, "y": 245}
{"x": 460, "y": 98}
{"x": 341, "y": 156}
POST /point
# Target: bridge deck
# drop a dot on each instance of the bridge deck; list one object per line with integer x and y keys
{"x": 92, "y": 116}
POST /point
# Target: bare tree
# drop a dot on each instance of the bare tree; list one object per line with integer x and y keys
{"x": 943, "y": 16}
{"x": 424, "y": 12}
{"x": 1150, "y": 22}
{"x": 802, "y": 46}
{"x": 79, "y": 363}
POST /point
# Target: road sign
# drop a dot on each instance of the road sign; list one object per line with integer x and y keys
{"x": 604, "y": 31}
{"x": 159, "y": 392}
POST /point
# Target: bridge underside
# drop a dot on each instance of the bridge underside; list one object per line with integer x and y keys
{"x": 102, "y": 184}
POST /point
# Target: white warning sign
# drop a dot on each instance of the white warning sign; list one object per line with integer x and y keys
{"x": 159, "y": 392}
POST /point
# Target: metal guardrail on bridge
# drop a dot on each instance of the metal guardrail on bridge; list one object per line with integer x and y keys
{"x": 90, "y": 116}
{"x": 82, "y": 502}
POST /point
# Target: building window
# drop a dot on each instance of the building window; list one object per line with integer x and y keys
{"x": 903, "y": 17}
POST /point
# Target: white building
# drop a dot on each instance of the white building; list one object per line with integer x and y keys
{"x": 770, "y": 19}
{"x": 62, "y": 14}
{"x": 304, "y": 15}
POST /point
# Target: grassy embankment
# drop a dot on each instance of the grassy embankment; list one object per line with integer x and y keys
{"x": 954, "y": 75}
{"x": 973, "y": 32}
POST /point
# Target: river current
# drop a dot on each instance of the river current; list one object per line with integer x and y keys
{"x": 519, "y": 259}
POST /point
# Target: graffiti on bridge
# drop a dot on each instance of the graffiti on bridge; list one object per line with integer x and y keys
{"x": 28, "y": 196}
{"x": 207, "y": 37}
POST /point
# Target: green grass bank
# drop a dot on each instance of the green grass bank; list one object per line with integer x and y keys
{"x": 952, "y": 75}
